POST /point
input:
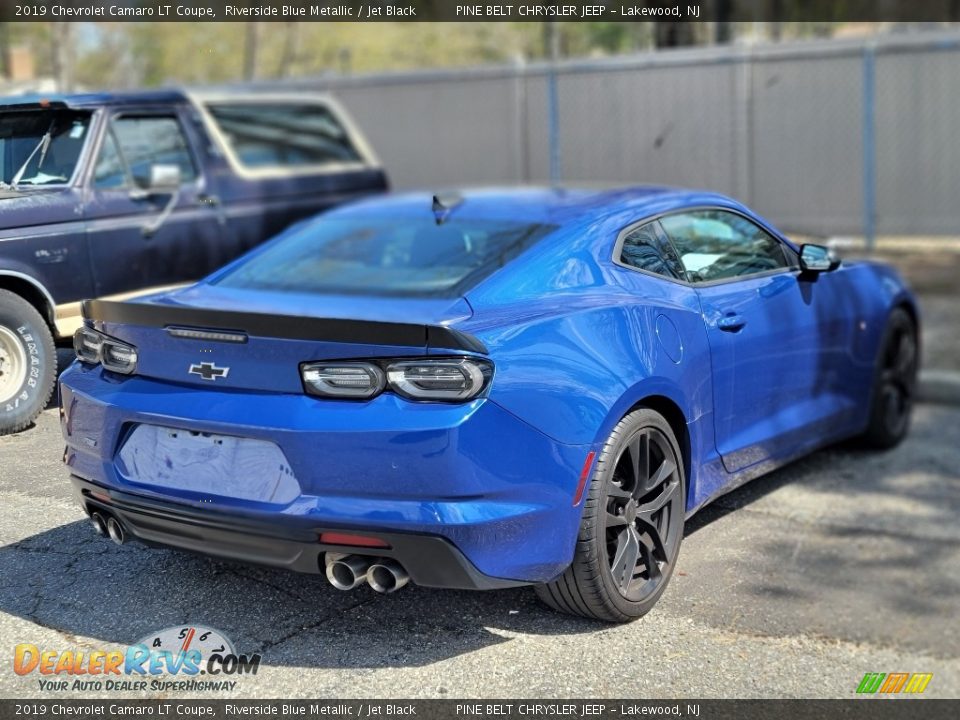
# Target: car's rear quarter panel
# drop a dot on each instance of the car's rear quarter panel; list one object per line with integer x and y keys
{"x": 576, "y": 342}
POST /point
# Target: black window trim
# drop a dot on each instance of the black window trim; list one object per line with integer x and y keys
{"x": 199, "y": 180}
{"x": 790, "y": 255}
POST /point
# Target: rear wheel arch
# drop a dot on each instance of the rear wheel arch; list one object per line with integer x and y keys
{"x": 667, "y": 404}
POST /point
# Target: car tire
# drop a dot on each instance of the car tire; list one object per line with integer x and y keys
{"x": 28, "y": 363}
{"x": 894, "y": 382}
{"x": 626, "y": 519}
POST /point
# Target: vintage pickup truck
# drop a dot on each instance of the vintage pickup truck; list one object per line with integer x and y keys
{"x": 118, "y": 194}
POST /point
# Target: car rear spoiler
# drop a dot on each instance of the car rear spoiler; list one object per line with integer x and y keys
{"x": 367, "y": 332}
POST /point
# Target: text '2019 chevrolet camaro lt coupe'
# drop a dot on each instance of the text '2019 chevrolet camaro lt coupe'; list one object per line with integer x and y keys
{"x": 482, "y": 390}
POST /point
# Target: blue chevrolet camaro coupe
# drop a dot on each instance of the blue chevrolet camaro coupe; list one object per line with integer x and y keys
{"x": 482, "y": 390}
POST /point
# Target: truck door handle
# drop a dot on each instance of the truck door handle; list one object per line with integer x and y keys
{"x": 731, "y": 322}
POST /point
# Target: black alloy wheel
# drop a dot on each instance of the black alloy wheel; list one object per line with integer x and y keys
{"x": 644, "y": 514}
{"x": 895, "y": 382}
{"x": 632, "y": 525}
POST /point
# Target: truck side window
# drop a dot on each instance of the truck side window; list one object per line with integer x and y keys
{"x": 133, "y": 144}
{"x": 110, "y": 172}
{"x": 282, "y": 135}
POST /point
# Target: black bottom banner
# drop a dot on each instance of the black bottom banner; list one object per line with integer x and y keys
{"x": 875, "y": 708}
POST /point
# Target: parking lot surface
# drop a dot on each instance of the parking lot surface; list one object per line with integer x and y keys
{"x": 794, "y": 585}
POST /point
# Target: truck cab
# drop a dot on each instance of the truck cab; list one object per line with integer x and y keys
{"x": 116, "y": 195}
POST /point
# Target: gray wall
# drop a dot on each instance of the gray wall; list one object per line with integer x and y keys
{"x": 783, "y": 128}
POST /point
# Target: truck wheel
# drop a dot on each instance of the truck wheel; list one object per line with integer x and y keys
{"x": 28, "y": 363}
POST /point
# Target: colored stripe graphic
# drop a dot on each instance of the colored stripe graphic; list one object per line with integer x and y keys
{"x": 918, "y": 682}
{"x": 871, "y": 682}
{"x": 893, "y": 683}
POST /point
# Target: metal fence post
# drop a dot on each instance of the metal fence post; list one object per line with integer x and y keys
{"x": 553, "y": 120}
{"x": 869, "y": 147}
{"x": 521, "y": 138}
{"x": 553, "y": 106}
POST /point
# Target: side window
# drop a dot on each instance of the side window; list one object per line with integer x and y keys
{"x": 264, "y": 135}
{"x": 110, "y": 171}
{"x": 133, "y": 144}
{"x": 716, "y": 244}
{"x": 646, "y": 248}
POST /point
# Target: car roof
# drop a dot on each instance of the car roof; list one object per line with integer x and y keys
{"x": 547, "y": 205}
{"x": 95, "y": 100}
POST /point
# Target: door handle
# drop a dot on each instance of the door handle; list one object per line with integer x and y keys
{"x": 731, "y": 322}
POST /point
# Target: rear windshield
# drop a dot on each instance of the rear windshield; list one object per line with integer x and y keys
{"x": 41, "y": 147}
{"x": 283, "y": 134}
{"x": 385, "y": 257}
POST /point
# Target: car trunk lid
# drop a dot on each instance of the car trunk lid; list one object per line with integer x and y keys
{"x": 213, "y": 337}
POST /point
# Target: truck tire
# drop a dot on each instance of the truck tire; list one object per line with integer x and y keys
{"x": 28, "y": 363}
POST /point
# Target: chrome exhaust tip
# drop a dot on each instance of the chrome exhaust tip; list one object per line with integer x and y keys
{"x": 98, "y": 524}
{"x": 115, "y": 530}
{"x": 387, "y": 576}
{"x": 345, "y": 572}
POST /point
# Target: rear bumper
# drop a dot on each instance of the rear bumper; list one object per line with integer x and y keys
{"x": 430, "y": 561}
{"x": 470, "y": 483}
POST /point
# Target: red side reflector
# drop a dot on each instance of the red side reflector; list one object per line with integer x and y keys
{"x": 329, "y": 538}
{"x": 101, "y": 496}
{"x": 584, "y": 474}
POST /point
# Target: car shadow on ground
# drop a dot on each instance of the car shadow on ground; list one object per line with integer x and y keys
{"x": 860, "y": 545}
{"x": 82, "y": 585}
{"x": 72, "y": 581}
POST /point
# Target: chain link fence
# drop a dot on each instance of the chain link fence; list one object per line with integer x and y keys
{"x": 849, "y": 138}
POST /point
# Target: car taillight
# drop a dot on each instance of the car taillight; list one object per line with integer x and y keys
{"x": 118, "y": 357}
{"x": 94, "y": 347}
{"x": 450, "y": 380}
{"x": 346, "y": 380}
{"x": 86, "y": 344}
{"x": 436, "y": 379}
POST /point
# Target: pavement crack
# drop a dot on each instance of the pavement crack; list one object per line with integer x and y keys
{"x": 279, "y": 588}
{"x": 269, "y": 644}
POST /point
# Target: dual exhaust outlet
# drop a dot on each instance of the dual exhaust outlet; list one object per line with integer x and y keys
{"x": 107, "y": 525}
{"x": 384, "y": 575}
{"x": 345, "y": 572}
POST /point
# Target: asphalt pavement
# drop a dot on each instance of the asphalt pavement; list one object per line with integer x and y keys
{"x": 795, "y": 585}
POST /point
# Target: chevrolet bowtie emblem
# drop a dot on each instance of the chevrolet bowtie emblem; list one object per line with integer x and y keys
{"x": 209, "y": 371}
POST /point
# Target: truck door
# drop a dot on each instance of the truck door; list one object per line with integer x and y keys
{"x": 141, "y": 235}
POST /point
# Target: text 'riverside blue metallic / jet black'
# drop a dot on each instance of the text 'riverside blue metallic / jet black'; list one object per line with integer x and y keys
{"x": 486, "y": 389}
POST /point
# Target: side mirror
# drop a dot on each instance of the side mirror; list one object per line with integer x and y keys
{"x": 817, "y": 259}
{"x": 164, "y": 178}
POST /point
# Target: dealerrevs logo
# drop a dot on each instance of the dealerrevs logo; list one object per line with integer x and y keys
{"x": 170, "y": 660}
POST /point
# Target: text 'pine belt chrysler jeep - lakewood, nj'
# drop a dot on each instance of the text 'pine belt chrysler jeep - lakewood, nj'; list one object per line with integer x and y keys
{"x": 118, "y": 194}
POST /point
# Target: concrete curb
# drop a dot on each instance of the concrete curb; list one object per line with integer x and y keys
{"x": 939, "y": 386}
